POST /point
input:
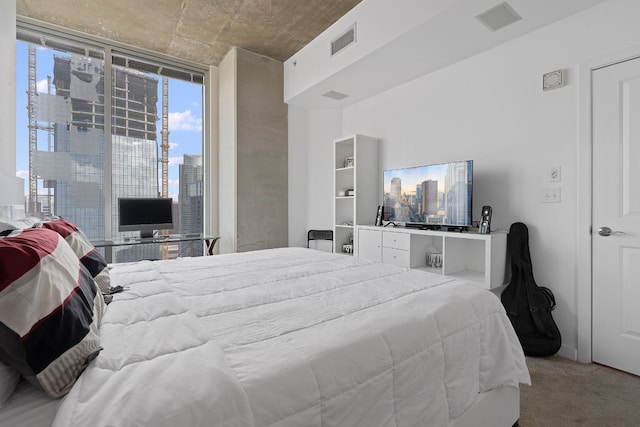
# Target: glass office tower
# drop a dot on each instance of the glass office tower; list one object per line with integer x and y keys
{"x": 73, "y": 167}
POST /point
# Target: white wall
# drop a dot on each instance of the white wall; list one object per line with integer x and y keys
{"x": 298, "y": 162}
{"x": 311, "y": 136}
{"x": 11, "y": 187}
{"x": 375, "y": 24}
{"x": 8, "y": 87}
{"x": 438, "y": 33}
{"x": 211, "y": 148}
{"x": 491, "y": 108}
{"x": 227, "y": 170}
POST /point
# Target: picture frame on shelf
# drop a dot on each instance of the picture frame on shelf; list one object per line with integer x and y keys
{"x": 349, "y": 162}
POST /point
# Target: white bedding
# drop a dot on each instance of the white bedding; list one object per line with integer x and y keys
{"x": 292, "y": 337}
{"x": 28, "y": 406}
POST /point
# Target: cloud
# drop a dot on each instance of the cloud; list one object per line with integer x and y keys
{"x": 22, "y": 174}
{"x": 173, "y": 145}
{"x": 42, "y": 86}
{"x": 174, "y": 182}
{"x": 184, "y": 121}
{"x": 173, "y": 161}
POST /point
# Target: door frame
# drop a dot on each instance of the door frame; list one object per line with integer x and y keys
{"x": 584, "y": 261}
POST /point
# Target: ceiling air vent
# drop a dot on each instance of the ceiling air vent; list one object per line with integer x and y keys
{"x": 498, "y": 17}
{"x": 347, "y": 38}
{"x": 335, "y": 95}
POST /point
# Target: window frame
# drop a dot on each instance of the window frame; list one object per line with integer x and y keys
{"x": 149, "y": 61}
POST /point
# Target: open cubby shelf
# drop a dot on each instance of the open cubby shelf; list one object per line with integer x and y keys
{"x": 477, "y": 258}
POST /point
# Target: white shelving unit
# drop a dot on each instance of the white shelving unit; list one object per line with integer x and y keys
{"x": 478, "y": 258}
{"x": 361, "y": 176}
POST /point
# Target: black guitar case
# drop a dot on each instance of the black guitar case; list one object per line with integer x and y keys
{"x": 528, "y": 305}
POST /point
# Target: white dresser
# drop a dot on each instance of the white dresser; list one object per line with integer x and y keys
{"x": 479, "y": 258}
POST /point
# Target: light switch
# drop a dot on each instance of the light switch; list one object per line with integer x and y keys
{"x": 555, "y": 174}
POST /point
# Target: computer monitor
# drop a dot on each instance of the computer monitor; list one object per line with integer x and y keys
{"x": 145, "y": 215}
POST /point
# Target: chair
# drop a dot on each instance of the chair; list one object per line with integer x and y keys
{"x": 319, "y": 235}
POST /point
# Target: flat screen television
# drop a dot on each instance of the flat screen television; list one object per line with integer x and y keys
{"x": 145, "y": 215}
{"x": 438, "y": 196}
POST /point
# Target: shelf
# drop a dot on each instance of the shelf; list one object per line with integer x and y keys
{"x": 476, "y": 258}
{"x": 435, "y": 270}
{"x": 361, "y": 177}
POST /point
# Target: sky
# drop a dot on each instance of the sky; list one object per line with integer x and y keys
{"x": 185, "y": 115}
{"x": 410, "y": 177}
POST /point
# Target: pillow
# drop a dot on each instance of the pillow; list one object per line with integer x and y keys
{"x": 89, "y": 256}
{"x": 9, "y": 378}
{"x": 50, "y": 310}
{"x": 18, "y": 224}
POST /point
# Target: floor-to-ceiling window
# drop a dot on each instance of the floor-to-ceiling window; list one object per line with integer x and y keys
{"x": 96, "y": 123}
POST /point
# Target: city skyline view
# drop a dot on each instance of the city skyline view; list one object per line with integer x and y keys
{"x": 185, "y": 115}
{"x": 434, "y": 194}
{"x": 413, "y": 176}
{"x": 62, "y": 142}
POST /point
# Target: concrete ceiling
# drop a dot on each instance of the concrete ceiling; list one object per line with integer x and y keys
{"x": 200, "y": 31}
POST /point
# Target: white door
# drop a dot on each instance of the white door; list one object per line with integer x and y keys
{"x": 616, "y": 216}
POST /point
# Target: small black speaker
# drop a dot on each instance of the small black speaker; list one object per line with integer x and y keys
{"x": 380, "y": 215}
{"x": 485, "y": 220}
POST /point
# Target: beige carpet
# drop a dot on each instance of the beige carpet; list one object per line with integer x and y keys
{"x": 567, "y": 393}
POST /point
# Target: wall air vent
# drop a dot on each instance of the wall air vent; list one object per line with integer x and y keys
{"x": 344, "y": 40}
{"x": 335, "y": 95}
{"x": 498, "y": 17}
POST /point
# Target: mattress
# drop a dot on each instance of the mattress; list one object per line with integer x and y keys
{"x": 292, "y": 337}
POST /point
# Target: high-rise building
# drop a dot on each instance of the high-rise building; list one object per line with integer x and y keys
{"x": 74, "y": 165}
{"x": 191, "y": 202}
{"x": 458, "y": 193}
{"x": 429, "y": 191}
{"x": 396, "y": 188}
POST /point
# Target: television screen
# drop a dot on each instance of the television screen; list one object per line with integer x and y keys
{"x": 145, "y": 215}
{"x": 431, "y": 195}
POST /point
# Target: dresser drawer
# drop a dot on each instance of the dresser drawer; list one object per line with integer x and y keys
{"x": 396, "y": 256}
{"x": 396, "y": 240}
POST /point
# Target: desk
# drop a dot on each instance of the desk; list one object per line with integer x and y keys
{"x": 209, "y": 241}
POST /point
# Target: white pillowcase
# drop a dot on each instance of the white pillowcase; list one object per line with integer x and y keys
{"x": 18, "y": 224}
{"x": 9, "y": 378}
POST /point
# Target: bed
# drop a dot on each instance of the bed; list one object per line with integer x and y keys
{"x": 289, "y": 337}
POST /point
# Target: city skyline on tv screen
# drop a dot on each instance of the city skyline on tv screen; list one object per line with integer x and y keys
{"x": 438, "y": 194}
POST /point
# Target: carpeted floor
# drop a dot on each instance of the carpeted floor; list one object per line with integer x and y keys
{"x": 567, "y": 393}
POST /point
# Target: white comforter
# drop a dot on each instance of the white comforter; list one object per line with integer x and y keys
{"x": 292, "y": 337}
